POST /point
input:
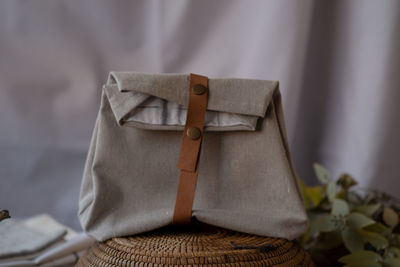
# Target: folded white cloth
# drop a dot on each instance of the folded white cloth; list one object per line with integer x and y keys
{"x": 18, "y": 238}
{"x": 40, "y": 241}
{"x": 64, "y": 254}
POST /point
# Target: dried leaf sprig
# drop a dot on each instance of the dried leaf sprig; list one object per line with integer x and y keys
{"x": 4, "y": 214}
{"x": 365, "y": 226}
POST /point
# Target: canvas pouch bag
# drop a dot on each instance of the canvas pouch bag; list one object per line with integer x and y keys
{"x": 168, "y": 148}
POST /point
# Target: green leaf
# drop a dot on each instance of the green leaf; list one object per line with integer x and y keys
{"x": 395, "y": 252}
{"x": 329, "y": 240}
{"x": 340, "y": 207}
{"x": 361, "y": 256}
{"x": 395, "y": 240}
{"x": 352, "y": 240}
{"x": 325, "y": 223}
{"x": 368, "y": 210}
{"x": 331, "y": 191}
{"x": 358, "y": 220}
{"x": 391, "y": 262}
{"x": 303, "y": 188}
{"x": 390, "y": 217}
{"x": 371, "y": 197}
{"x": 378, "y": 228}
{"x": 322, "y": 173}
{"x": 312, "y": 195}
{"x": 355, "y": 239}
{"x": 353, "y": 197}
{"x": 346, "y": 181}
{"x": 376, "y": 240}
{"x": 316, "y": 194}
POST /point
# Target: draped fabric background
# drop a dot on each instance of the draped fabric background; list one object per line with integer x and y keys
{"x": 338, "y": 63}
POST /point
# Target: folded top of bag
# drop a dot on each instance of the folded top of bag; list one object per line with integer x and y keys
{"x": 233, "y": 103}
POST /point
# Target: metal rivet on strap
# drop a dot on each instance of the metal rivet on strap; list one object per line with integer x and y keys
{"x": 193, "y": 133}
{"x": 199, "y": 89}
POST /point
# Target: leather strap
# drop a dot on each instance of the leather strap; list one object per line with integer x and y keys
{"x": 190, "y": 151}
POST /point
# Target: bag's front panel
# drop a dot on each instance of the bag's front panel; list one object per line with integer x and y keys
{"x": 246, "y": 183}
{"x": 134, "y": 178}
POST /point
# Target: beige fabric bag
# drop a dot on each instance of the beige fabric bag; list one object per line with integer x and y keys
{"x": 246, "y": 181}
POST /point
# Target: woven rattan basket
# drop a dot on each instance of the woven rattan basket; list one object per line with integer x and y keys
{"x": 195, "y": 246}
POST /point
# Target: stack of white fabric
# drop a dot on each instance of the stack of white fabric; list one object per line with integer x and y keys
{"x": 40, "y": 241}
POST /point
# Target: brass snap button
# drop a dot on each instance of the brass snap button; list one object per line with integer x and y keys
{"x": 193, "y": 133}
{"x": 198, "y": 89}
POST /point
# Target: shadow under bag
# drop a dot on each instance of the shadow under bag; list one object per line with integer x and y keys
{"x": 167, "y": 148}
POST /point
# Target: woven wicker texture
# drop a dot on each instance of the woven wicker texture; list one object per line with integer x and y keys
{"x": 195, "y": 247}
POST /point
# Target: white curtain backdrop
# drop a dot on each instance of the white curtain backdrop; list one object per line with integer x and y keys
{"x": 338, "y": 63}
